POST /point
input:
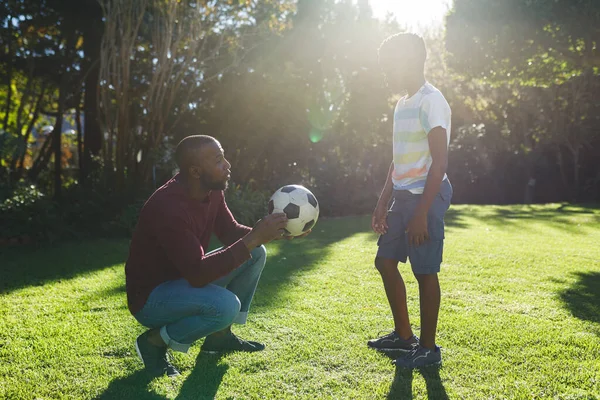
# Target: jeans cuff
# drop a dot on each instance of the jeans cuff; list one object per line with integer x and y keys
{"x": 241, "y": 318}
{"x": 172, "y": 344}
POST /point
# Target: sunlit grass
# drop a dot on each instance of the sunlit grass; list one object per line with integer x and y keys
{"x": 520, "y": 317}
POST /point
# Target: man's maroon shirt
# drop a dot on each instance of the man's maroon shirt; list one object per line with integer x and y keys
{"x": 171, "y": 237}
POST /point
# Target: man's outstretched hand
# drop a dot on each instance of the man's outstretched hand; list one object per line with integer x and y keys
{"x": 267, "y": 229}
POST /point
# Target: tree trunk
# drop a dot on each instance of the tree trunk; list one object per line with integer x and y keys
{"x": 92, "y": 139}
{"x": 79, "y": 143}
{"x": 576, "y": 168}
{"x": 36, "y": 114}
{"x": 57, "y": 142}
{"x": 40, "y": 163}
{"x": 561, "y": 165}
{"x": 8, "y": 76}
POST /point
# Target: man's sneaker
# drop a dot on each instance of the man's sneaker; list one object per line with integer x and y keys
{"x": 155, "y": 359}
{"x": 229, "y": 342}
{"x": 420, "y": 357}
{"x": 393, "y": 342}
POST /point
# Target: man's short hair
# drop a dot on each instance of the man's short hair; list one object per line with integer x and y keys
{"x": 187, "y": 146}
{"x": 409, "y": 45}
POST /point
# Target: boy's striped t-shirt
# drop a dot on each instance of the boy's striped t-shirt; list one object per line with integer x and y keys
{"x": 414, "y": 118}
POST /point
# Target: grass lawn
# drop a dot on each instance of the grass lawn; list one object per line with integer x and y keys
{"x": 520, "y": 317}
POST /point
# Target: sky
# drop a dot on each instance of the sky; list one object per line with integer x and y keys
{"x": 416, "y": 15}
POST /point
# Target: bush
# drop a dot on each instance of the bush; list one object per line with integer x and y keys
{"x": 98, "y": 212}
{"x": 28, "y": 212}
{"x": 247, "y": 205}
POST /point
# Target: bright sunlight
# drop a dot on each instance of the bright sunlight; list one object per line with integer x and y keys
{"x": 414, "y": 15}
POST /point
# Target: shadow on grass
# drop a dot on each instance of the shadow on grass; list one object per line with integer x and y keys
{"x": 454, "y": 219}
{"x": 582, "y": 299}
{"x": 205, "y": 378}
{"x": 560, "y": 217}
{"x": 37, "y": 265}
{"x": 402, "y": 384}
{"x": 134, "y": 386}
{"x": 202, "y": 383}
{"x": 298, "y": 256}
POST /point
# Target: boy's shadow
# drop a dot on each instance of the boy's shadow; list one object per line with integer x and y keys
{"x": 402, "y": 385}
{"x": 202, "y": 383}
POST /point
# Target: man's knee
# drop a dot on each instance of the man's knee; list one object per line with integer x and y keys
{"x": 229, "y": 308}
{"x": 259, "y": 252}
{"x": 385, "y": 265}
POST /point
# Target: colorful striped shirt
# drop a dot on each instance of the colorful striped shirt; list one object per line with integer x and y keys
{"x": 414, "y": 118}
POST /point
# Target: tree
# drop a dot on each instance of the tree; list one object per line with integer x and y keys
{"x": 47, "y": 42}
{"x": 155, "y": 56}
{"x": 548, "y": 45}
{"x": 534, "y": 42}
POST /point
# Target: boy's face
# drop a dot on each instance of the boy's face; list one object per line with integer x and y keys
{"x": 398, "y": 71}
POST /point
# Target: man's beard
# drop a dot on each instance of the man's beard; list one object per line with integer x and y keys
{"x": 213, "y": 185}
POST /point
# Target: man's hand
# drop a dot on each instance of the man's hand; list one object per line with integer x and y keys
{"x": 267, "y": 229}
{"x": 417, "y": 230}
{"x": 379, "y": 219}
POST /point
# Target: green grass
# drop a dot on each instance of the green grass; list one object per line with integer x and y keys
{"x": 520, "y": 317}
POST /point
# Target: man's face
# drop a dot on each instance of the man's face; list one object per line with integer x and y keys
{"x": 211, "y": 167}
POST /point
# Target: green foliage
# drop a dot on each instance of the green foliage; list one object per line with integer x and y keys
{"x": 295, "y": 95}
{"x": 28, "y": 212}
{"x": 535, "y": 91}
{"x": 247, "y": 204}
{"x": 532, "y": 42}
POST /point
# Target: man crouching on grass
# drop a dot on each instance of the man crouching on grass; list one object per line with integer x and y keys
{"x": 177, "y": 289}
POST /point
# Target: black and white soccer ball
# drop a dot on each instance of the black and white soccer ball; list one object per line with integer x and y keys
{"x": 300, "y": 206}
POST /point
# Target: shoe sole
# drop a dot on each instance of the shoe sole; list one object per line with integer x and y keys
{"x": 434, "y": 364}
{"x": 211, "y": 351}
{"x": 391, "y": 350}
{"x": 226, "y": 351}
{"x": 139, "y": 353}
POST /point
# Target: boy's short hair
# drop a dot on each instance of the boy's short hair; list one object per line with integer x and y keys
{"x": 410, "y": 45}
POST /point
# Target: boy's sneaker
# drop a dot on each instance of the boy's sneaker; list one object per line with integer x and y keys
{"x": 393, "y": 342}
{"x": 229, "y": 342}
{"x": 420, "y": 357}
{"x": 155, "y": 359}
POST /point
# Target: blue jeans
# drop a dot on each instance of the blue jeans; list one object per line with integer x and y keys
{"x": 185, "y": 313}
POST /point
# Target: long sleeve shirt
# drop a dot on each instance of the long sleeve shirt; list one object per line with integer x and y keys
{"x": 170, "y": 241}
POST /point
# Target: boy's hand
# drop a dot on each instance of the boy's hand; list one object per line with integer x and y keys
{"x": 417, "y": 230}
{"x": 379, "y": 220}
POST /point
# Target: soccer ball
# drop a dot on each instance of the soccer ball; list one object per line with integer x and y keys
{"x": 300, "y": 206}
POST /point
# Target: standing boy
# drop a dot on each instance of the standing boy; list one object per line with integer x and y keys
{"x": 413, "y": 226}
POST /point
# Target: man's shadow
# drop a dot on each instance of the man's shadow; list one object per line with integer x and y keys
{"x": 202, "y": 383}
{"x": 401, "y": 388}
{"x": 134, "y": 386}
{"x": 205, "y": 378}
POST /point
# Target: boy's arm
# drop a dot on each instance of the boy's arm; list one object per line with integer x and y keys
{"x": 438, "y": 147}
{"x": 379, "y": 220}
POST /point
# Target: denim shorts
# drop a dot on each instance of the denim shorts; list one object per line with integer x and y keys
{"x": 426, "y": 258}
